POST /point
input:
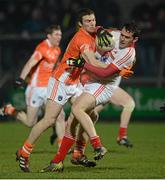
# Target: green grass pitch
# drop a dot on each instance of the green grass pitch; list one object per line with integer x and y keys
{"x": 146, "y": 160}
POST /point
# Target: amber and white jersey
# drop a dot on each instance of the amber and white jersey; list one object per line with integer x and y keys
{"x": 64, "y": 72}
{"x": 47, "y": 56}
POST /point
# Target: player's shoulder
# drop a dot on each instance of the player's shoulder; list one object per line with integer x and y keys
{"x": 42, "y": 45}
{"x": 130, "y": 52}
{"x": 116, "y": 33}
{"x": 129, "y": 49}
{"x": 126, "y": 53}
{"x": 80, "y": 39}
{"x": 82, "y": 35}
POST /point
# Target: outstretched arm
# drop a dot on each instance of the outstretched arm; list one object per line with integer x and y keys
{"x": 110, "y": 70}
{"x": 20, "y": 81}
{"x": 27, "y": 68}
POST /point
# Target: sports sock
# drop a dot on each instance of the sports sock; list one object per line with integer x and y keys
{"x": 26, "y": 149}
{"x": 59, "y": 142}
{"x": 79, "y": 149}
{"x": 66, "y": 144}
{"x": 9, "y": 109}
{"x": 76, "y": 153}
{"x": 96, "y": 142}
{"x": 122, "y": 133}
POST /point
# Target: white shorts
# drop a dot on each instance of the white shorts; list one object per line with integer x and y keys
{"x": 60, "y": 92}
{"x": 79, "y": 90}
{"x": 101, "y": 92}
{"x": 36, "y": 96}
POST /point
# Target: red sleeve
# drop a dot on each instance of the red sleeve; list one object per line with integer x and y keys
{"x": 102, "y": 72}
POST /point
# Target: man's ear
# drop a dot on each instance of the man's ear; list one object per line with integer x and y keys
{"x": 48, "y": 36}
{"x": 79, "y": 24}
{"x": 135, "y": 39}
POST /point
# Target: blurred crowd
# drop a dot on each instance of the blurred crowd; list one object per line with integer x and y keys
{"x": 29, "y": 16}
{"x": 34, "y": 16}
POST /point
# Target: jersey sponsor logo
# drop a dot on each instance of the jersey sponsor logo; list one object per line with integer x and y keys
{"x": 48, "y": 65}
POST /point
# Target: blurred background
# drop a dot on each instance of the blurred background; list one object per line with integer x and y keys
{"x": 22, "y": 27}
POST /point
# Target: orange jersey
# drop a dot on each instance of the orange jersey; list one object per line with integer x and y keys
{"x": 47, "y": 56}
{"x": 64, "y": 72}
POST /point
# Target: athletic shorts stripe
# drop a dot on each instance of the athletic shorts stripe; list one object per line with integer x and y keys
{"x": 99, "y": 90}
{"x": 54, "y": 91}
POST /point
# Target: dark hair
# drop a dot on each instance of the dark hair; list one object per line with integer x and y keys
{"x": 83, "y": 12}
{"x": 132, "y": 27}
{"x": 52, "y": 28}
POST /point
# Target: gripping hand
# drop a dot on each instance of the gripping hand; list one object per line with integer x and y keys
{"x": 76, "y": 62}
{"x": 126, "y": 73}
{"x": 19, "y": 82}
{"x": 104, "y": 37}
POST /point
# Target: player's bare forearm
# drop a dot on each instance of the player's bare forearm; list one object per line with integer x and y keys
{"x": 27, "y": 68}
{"x": 89, "y": 56}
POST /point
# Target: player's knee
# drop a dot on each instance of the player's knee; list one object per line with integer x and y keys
{"x": 130, "y": 105}
{"x": 48, "y": 121}
{"x": 75, "y": 110}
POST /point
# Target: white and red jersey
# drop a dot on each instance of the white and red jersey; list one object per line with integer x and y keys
{"x": 120, "y": 58}
{"x": 47, "y": 56}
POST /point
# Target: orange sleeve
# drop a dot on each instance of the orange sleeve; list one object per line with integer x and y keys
{"x": 86, "y": 43}
{"x": 39, "y": 52}
{"x": 37, "y": 55}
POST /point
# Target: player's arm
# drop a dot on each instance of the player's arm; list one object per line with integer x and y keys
{"x": 102, "y": 70}
{"x": 30, "y": 64}
{"x": 35, "y": 58}
{"x": 88, "y": 54}
{"x": 104, "y": 42}
{"x": 89, "y": 57}
{"x": 97, "y": 67}
{"x": 109, "y": 71}
{"x": 120, "y": 62}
